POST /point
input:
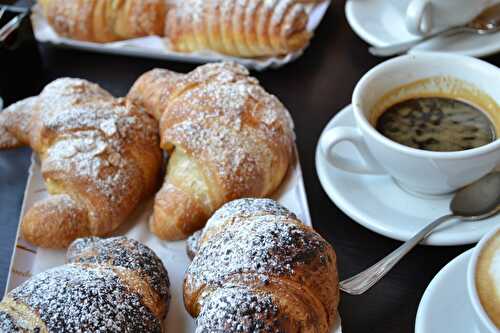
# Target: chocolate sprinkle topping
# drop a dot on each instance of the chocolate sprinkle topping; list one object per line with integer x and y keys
{"x": 78, "y": 298}
{"x": 249, "y": 207}
{"x": 234, "y": 211}
{"x": 7, "y": 323}
{"x": 99, "y": 290}
{"x": 262, "y": 245}
{"x": 257, "y": 245}
{"x": 126, "y": 253}
{"x": 238, "y": 309}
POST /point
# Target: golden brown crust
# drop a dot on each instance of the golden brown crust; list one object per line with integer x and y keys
{"x": 153, "y": 89}
{"x": 64, "y": 221}
{"x": 176, "y": 214}
{"x": 99, "y": 157}
{"x": 257, "y": 264}
{"x": 226, "y": 136}
{"x": 249, "y": 28}
{"x": 15, "y": 123}
{"x": 105, "y": 20}
{"x": 8, "y": 140}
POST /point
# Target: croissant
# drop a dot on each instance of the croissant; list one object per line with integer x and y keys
{"x": 105, "y": 20}
{"x": 248, "y": 28}
{"x": 226, "y": 136}
{"x": 258, "y": 268}
{"x": 99, "y": 155}
{"x": 109, "y": 285}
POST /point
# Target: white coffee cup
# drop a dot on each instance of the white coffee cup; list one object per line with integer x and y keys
{"x": 483, "y": 323}
{"x": 424, "y": 16}
{"x": 421, "y": 171}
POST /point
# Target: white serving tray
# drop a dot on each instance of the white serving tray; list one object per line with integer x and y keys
{"x": 155, "y": 47}
{"x": 28, "y": 260}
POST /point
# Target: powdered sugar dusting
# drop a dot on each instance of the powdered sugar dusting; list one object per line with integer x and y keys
{"x": 15, "y": 124}
{"x": 84, "y": 137}
{"x": 77, "y": 298}
{"x": 238, "y": 309}
{"x": 8, "y": 323}
{"x": 88, "y": 294}
{"x": 7, "y": 140}
{"x": 241, "y": 28}
{"x": 259, "y": 243}
{"x": 113, "y": 20}
{"x": 126, "y": 253}
{"x": 229, "y": 122}
{"x": 248, "y": 207}
{"x": 146, "y": 17}
{"x": 261, "y": 246}
{"x": 233, "y": 212}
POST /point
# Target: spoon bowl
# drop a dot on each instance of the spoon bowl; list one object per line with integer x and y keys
{"x": 474, "y": 202}
{"x": 488, "y": 20}
{"x": 479, "y": 198}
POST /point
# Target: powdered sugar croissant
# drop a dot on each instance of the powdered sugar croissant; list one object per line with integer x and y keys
{"x": 245, "y": 28}
{"x": 108, "y": 285}
{"x": 257, "y": 268}
{"x": 226, "y": 136}
{"x": 99, "y": 156}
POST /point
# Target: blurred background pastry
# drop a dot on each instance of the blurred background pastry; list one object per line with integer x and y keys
{"x": 251, "y": 28}
{"x": 105, "y": 20}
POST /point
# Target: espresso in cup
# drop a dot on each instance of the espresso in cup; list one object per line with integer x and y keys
{"x": 447, "y": 119}
{"x": 416, "y": 77}
{"x": 488, "y": 278}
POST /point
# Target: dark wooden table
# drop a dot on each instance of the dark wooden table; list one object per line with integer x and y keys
{"x": 314, "y": 88}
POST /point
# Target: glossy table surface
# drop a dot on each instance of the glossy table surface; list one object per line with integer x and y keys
{"x": 314, "y": 88}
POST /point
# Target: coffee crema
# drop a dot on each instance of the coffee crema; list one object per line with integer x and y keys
{"x": 488, "y": 278}
{"x": 439, "y": 113}
{"x": 436, "y": 124}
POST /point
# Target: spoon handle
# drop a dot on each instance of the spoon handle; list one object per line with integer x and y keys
{"x": 363, "y": 281}
{"x": 395, "y": 49}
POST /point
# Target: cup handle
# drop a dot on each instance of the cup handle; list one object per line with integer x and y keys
{"x": 351, "y": 134}
{"x": 418, "y": 17}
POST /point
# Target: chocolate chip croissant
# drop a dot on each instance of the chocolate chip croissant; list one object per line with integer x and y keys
{"x": 99, "y": 156}
{"x": 257, "y": 268}
{"x": 108, "y": 285}
{"x": 244, "y": 28}
{"x": 226, "y": 136}
{"x": 105, "y": 20}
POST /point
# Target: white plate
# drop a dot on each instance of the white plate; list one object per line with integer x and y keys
{"x": 377, "y": 203}
{"x": 156, "y": 48}
{"x": 381, "y": 23}
{"x": 445, "y": 306}
{"x": 28, "y": 260}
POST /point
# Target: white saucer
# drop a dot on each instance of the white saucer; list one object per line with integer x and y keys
{"x": 377, "y": 203}
{"x": 445, "y": 306}
{"x": 381, "y": 23}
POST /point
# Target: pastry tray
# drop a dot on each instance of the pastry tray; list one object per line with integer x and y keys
{"x": 28, "y": 260}
{"x": 155, "y": 47}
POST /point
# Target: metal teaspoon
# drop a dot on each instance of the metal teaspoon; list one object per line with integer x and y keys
{"x": 474, "y": 202}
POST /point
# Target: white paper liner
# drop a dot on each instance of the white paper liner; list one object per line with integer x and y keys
{"x": 155, "y": 47}
{"x": 28, "y": 260}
